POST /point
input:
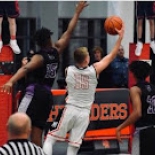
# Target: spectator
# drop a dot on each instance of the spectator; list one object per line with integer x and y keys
{"x": 105, "y": 78}
{"x": 19, "y": 128}
{"x": 142, "y": 96}
{"x": 120, "y": 70}
{"x": 11, "y": 10}
{"x": 145, "y": 9}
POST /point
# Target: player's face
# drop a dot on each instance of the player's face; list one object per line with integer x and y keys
{"x": 121, "y": 52}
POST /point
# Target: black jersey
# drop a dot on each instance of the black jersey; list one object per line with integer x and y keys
{"x": 148, "y": 104}
{"x": 45, "y": 74}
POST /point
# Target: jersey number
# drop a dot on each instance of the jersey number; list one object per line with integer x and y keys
{"x": 81, "y": 81}
{"x": 51, "y": 70}
{"x": 151, "y": 107}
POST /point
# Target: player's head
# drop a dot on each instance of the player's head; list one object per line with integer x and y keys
{"x": 81, "y": 55}
{"x": 98, "y": 53}
{"x": 19, "y": 125}
{"x": 140, "y": 69}
{"x": 42, "y": 37}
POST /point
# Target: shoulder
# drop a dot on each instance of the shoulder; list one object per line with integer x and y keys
{"x": 2, "y": 149}
{"x": 37, "y": 58}
{"x": 38, "y": 148}
{"x": 114, "y": 61}
{"x": 92, "y": 67}
{"x": 49, "y": 50}
{"x": 135, "y": 90}
{"x": 71, "y": 67}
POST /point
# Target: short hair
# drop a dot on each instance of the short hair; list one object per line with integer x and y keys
{"x": 42, "y": 37}
{"x": 140, "y": 69}
{"x": 16, "y": 127}
{"x": 99, "y": 49}
{"x": 80, "y": 54}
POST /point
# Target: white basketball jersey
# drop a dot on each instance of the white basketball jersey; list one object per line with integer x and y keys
{"x": 81, "y": 86}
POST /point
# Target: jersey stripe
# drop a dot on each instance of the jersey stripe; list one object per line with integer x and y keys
{"x": 20, "y": 148}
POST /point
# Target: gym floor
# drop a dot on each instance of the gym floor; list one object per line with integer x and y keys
{"x": 60, "y": 148}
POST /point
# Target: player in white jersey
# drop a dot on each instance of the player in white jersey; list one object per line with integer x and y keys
{"x": 81, "y": 79}
{"x": 81, "y": 82}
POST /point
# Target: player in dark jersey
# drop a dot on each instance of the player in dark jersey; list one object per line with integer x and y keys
{"x": 40, "y": 73}
{"x": 142, "y": 96}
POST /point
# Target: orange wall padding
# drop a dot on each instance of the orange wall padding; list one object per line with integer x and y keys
{"x": 6, "y": 54}
{"x": 5, "y": 112}
{"x": 5, "y": 99}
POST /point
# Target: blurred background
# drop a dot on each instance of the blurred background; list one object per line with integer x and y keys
{"x": 89, "y": 32}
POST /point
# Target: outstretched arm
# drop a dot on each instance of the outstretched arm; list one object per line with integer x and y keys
{"x": 64, "y": 40}
{"x": 105, "y": 61}
{"x": 36, "y": 61}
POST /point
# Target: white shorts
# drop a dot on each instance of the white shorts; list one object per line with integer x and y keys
{"x": 75, "y": 121}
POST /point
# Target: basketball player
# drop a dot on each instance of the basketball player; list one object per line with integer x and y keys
{"x": 81, "y": 82}
{"x": 40, "y": 73}
{"x": 145, "y": 9}
{"x": 142, "y": 96}
{"x": 11, "y": 10}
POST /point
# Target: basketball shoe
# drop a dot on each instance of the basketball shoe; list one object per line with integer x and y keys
{"x": 139, "y": 48}
{"x": 152, "y": 45}
{"x": 14, "y": 46}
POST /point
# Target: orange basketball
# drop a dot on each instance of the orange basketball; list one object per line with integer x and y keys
{"x": 111, "y": 23}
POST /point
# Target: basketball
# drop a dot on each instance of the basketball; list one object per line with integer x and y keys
{"x": 111, "y": 23}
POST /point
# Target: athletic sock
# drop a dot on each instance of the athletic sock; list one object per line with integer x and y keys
{"x": 72, "y": 150}
{"x": 13, "y": 37}
{"x": 48, "y": 145}
{"x": 140, "y": 39}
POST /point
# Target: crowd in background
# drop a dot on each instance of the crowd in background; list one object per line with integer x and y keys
{"x": 116, "y": 74}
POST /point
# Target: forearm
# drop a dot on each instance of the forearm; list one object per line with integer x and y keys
{"x": 130, "y": 120}
{"x": 110, "y": 57}
{"x": 79, "y": 8}
{"x": 18, "y": 75}
{"x": 116, "y": 47}
{"x": 73, "y": 23}
{"x": 64, "y": 39}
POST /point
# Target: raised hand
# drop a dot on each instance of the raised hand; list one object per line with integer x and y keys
{"x": 80, "y": 6}
{"x": 121, "y": 31}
